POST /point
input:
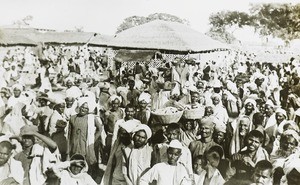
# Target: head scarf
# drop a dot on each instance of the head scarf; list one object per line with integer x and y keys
{"x": 129, "y": 125}
{"x": 73, "y": 92}
{"x": 114, "y": 97}
{"x": 175, "y": 144}
{"x": 282, "y": 111}
{"x": 144, "y": 128}
{"x": 215, "y": 95}
{"x": 292, "y": 133}
{"x": 145, "y": 97}
{"x": 252, "y": 101}
{"x": 91, "y": 104}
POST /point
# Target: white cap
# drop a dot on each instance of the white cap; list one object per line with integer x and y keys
{"x": 175, "y": 144}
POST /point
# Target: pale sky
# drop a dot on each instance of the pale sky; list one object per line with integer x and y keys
{"x": 104, "y": 16}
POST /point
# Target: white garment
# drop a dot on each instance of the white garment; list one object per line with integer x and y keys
{"x": 14, "y": 169}
{"x": 216, "y": 179}
{"x": 166, "y": 174}
{"x": 62, "y": 171}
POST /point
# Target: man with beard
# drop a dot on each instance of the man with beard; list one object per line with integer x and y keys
{"x": 137, "y": 157}
{"x": 206, "y": 128}
{"x": 129, "y": 115}
{"x": 245, "y": 160}
{"x": 249, "y": 109}
{"x": 113, "y": 172}
{"x": 269, "y": 114}
{"x": 70, "y": 109}
{"x": 273, "y": 131}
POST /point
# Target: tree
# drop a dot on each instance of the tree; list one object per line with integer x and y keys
{"x": 133, "y": 21}
{"x": 23, "y": 22}
{"x": 224, "y": 24}
{"x": 79, "y": 29}
{"x": 278, "y": 20}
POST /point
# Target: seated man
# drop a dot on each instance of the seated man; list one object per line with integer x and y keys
{"x": 11, "y": 171}
{"x": 171, "y": 172}
{"x": 74, "y": 172}
{"x": 244, "y": 161}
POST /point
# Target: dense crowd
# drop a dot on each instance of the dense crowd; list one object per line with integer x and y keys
{"x": 87, "y": 119}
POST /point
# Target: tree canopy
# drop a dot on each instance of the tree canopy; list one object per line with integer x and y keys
{"x": 132, "y": 21}
{"x": 278, "y": 20}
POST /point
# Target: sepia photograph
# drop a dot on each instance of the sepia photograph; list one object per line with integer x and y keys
{"x": 149, "y": 92}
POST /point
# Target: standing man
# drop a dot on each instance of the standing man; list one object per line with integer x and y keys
{"x": 170, "y": 172}
{"x": 137, "y": 158}
{"x": 206, "y": 129}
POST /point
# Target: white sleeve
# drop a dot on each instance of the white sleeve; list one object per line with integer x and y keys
{"x": 17, "y": 172}
{"x": 149, "y": 176}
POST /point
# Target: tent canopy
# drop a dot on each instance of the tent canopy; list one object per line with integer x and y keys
{"x": 166, "y": 36}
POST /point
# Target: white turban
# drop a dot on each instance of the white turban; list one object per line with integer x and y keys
{"x": 252, "y": 101}
{"x": 232, "y": 87}
{"x": 282, "y": 111}
{"x": 145, "y": 97}
{"x": 73, "y": 92}
{"x": 215, "y": 95}
{"x": 90, "y": 95}
{"x": 114, "y": 97}
{"x": 91, "y": 104}
{"x": 175, "y": 144}
{"x": 292, "y": 133}
{"x": 145, "y": 128}
{"x": 129, "y": 125}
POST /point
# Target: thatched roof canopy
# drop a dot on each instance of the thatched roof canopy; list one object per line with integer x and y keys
{"x": 11, "y": 38}
{"x": 166, "y": 36}
{"x": 67, "y": 38}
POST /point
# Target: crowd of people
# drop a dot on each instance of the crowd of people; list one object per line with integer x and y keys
{"x": 87, "y": 119}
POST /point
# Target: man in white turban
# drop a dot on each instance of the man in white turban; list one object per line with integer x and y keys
{"x": 85, "y": 129}
{"x": 143, "y": 113}
{"x": 171, "y": 172}
{"x": 137, "y": 156}
{"x": 17, "y": 96}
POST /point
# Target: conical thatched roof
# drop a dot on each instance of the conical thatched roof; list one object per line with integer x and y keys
{"x": 168, "y": 36}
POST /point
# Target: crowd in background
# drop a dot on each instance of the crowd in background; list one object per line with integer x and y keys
{"x": 86, "y": 119}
